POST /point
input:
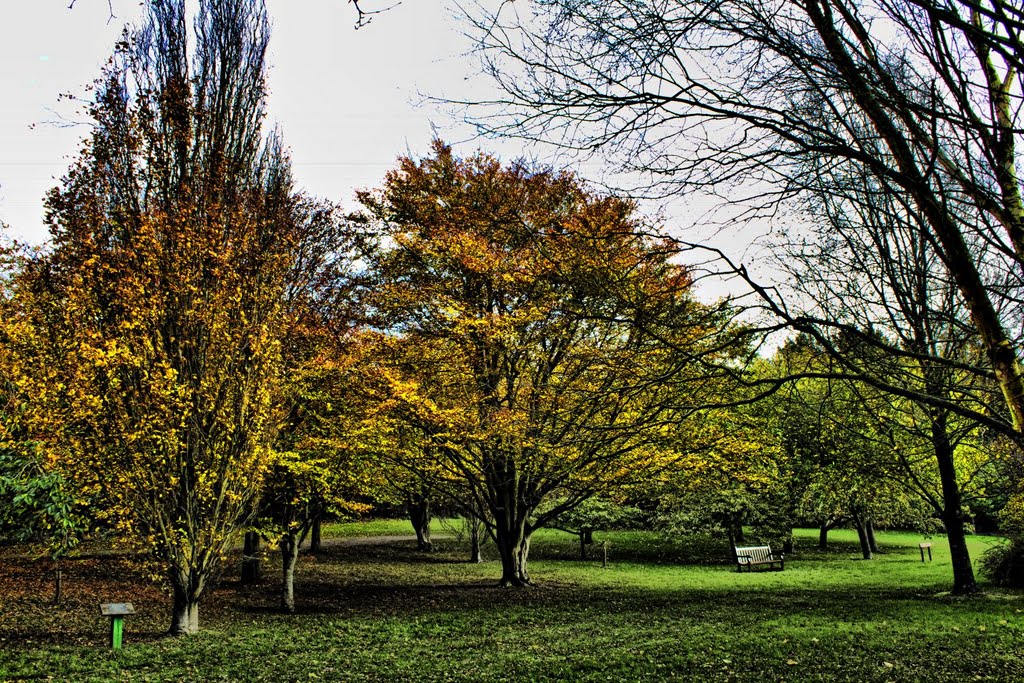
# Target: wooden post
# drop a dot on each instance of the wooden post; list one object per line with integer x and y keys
{"x": 116, "y": 632}
{"x": 604, "y": 548}
{"x": 117, "y": 611}
{"x": 58, "y": 585}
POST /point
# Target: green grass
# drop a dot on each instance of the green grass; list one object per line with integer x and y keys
{"x": 373, "y": 527}
{"x": 662, "y": 610}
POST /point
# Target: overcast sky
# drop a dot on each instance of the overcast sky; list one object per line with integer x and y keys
{"x": 349, "y": 102}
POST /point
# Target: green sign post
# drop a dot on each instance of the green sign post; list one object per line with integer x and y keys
{"x": 117, "y": 611}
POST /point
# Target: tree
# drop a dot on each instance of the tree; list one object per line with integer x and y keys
{"x": 37, "y": 504}
{"x": 874, "y": 275}
{"x": 839, "y": 461}
{"x": 173, "y": 234}
{"x": 317, "y": 468}
{"x": 320, "y": 465}
{"x": 364, "y": 15}
{"x": 731, "y": 478}
{"x": 596, "y": 514}
{"x": 745, "y": 96}
{"x": 506, "y": 294}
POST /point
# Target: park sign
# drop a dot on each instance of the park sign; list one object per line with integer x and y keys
{"x": 117, "y": 611}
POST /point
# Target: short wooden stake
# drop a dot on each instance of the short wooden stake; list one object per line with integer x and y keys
{"x": 116, "y": 632}
{"x": 117, "y": 611}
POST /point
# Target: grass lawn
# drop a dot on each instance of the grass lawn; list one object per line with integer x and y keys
{"x": 661, "y": 610}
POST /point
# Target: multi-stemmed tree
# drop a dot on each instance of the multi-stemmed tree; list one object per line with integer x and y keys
{"x": 162, "y": 296}
{"x": 508, "y": 295}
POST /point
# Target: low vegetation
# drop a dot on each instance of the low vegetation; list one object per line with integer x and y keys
{"x": 374, "y": 610}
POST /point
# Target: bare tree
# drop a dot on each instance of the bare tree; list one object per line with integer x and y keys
{"x": 922, "y": 95}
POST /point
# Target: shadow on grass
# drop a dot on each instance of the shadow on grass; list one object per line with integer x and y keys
{"x": 384, "y": 581}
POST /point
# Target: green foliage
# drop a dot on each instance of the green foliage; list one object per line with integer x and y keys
{"x": 598, "y": 514}
{"x": 37, "y": 505}
{"x": 1003, "y": 565}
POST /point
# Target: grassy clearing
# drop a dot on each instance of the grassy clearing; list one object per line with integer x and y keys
{"x": 660, "y": 611}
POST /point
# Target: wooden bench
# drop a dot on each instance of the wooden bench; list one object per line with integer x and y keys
{"x": 758, "y": 556}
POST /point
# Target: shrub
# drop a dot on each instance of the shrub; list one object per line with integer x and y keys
{"x": 1003, "y": 564}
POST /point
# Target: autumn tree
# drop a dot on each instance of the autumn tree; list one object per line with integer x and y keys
{"x": 731, "y": 478}
{"x": 173, "y": 235}
{"x": 507, "y": 294}
{"x": 38, "y": 504}
{"x": 315, "y": 468}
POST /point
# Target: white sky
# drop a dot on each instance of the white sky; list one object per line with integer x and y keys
{"x": 346, "y": 100}
{"x": 349, "y": 102}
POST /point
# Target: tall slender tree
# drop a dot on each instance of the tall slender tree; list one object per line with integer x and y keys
{"x": 173, "y": 235}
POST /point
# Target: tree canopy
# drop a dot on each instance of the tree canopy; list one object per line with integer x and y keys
{"x": 506, "y": 296}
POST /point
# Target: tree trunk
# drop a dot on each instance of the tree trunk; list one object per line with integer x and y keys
{"x": 862, "y": 534}
{"x": 583, "y": 545}
{"x": 963, "y": 573}
{"x": 952, "y": 515}
{"x": 419, "y": 515}
{"x": 252, "y": 565}
{"x": 869, "y": 530}
{"x": 289, "y": 557}
{"x": 513, "y": 541}
{"x": 736, "y": 525}
{"x": 787, "y": 545}
{"x": 185, "y": 610}
{"x": 823, "y": 535}
{"x": 314, "y": 534}
{"x": 58, "y": 583}
{"x": 475, "y": 533}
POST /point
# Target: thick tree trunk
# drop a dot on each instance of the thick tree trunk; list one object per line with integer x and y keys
{"x": 252, "y": 565}
{"x": 963, "y": 573}
{"x": 736, "y": 526}
{"x": 513, "y": 541}
{"x": 289, "y": 545}
{"x": 952, "y": 515}
{"x": 419, "y": 515}
{"x": 583, "y": 545}
{"x": 184, "y": 610}
{"x": 823, "y": 535}
{"x": 862, "y": 534}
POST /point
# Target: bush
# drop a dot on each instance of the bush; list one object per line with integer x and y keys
{"x": 1003, "y": 564}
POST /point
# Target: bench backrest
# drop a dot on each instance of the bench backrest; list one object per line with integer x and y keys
{"x": 757, "y": 553}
